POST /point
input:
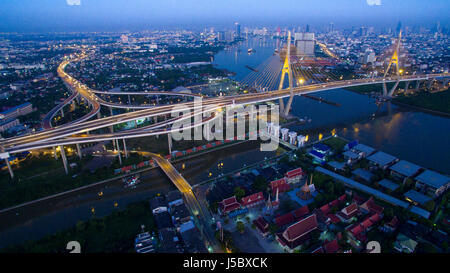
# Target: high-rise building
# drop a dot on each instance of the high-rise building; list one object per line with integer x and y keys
{"x": 221, "y": 36}
{"x": 237, "y": 30}
{"x": 304, "y": 42}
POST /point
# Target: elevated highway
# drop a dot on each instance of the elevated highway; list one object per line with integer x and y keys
{"x": 36, "y": 140}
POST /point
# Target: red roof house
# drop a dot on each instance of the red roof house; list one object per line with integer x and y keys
{"x": 262, "y": 225}
{"x": 294, "y": 176}
{"x": 252, "y": 200}
{"x": 348, "y": 212}
{"x": 228, "y": 205}
{"x": 284, "y": 219}
{"x": 298, "y": 233}
{"x": 371, "y": 207}
{"x": 281, "y": 185}
{"x": 300, "y": 212}
{"x": 331, "y": 247}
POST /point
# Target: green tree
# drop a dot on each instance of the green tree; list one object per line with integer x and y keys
{"x": 260, "y": 184}
{"x": 239, "y": 193}
{"x": 240, "y": 226}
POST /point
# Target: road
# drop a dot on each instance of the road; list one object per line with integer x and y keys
{"x": 202, "y": 216}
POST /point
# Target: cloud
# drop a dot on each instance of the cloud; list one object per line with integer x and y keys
{"x": 78, "y": 2}
{"x": 374, "y": 2}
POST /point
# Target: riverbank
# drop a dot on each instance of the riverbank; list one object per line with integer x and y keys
{"x": 434, "y": 103}
{"x": 117, "y": 232}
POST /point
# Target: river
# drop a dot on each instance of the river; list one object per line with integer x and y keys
{"x": 405, "y": 133}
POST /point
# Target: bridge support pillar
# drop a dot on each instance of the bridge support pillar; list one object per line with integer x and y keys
{"x": 99, "y": 116}
{"x": 55, "y": 154}
{"x": 62, "y": 111}
{"x": 391, "y": 92}
{"x": 111, "y": 111}
{"x": 384, "y": 89}
{"x": 430, "y": 84}
{"x": 406, "y": 87}
{"x": 125, "y": 151}
{"x": 80, "y": 155}
{"x": 64, "y": 158}
{"x": 129, "y": 100}
{"x": 281, "y": 105}
{"x": 118, "y": 150}
{"x": 288, "y": 105}
{"x": 417, "y": 86}
{"x": 169, "y": 140}
{"x": 11, "y": 173}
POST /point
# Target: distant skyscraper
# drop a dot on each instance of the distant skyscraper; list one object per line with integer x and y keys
{"x": 399, "y": 27}
{"x": 221, "y": 36}
{"x": 304, "y": 42}
{"x": 237, "y": 30}
{"x": 307, "y": 28}
{"x": 331, "y": 27}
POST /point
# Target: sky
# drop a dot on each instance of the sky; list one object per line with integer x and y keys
{"x": 120, "y": 15}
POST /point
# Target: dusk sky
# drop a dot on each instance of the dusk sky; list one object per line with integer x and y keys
{"x": 101, "y": 15}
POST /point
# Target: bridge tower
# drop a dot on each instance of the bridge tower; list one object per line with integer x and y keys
{"x": 394, "y": 60}
{"x": 286, "y": 70}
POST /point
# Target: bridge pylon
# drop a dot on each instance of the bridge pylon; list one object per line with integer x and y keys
{"x": 286, "y": 70}
{"x": 395, "y": 58}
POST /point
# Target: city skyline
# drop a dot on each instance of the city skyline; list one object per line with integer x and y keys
{"x": 116, "y": 15}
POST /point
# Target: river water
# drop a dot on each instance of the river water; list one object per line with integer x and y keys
{"x": 407, "y": 134}
{"x": 414, "y": 136}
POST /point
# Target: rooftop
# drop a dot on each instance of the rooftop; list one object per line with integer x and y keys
{"x": 405, "y": 168}
{"x": 388, "y": 184}
{"x": 366, "y": 175}
{"x": 337, "y": 165}
{"x": 433, "y": 179}
{"x": 364, "y": 148}
{"x": 417, "y": 197}
{"x": 381, "y": 158}
{"x": 350, "y": 154}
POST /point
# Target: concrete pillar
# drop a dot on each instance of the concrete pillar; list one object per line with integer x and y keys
{"x": 384, "y": 89}
{"x": 406, "y": 86}
{"x": 64, "y": 158}
{"x": 391, "y": 92}
{"x": 301, "y": 140}
{"x": 129, "y": 100}
{"x": 292, "y": 137}
{"x": 288, "y": 106}
{"x": 417, "y": 85}
{"x": 118, "y": 150}
{"x": 111, "y": 111}
{"x": 55, "y": 155}
{"x": 125, "y": 148}
{"x": 11, "y": 173}
{"x": 169, "y": 139}
{"x": 284, "y": 134}
{"x": 80, "y": 155}
{"x": 281, "y": 105}
{"x": 99, "y": 116}
{"x": 62, "y": 111}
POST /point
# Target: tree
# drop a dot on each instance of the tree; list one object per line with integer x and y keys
{"x": 260, "y": 184}
{"x": 430, "y": 205}
{"x": 240, "y": 226}
{"x": 239, "y": 193}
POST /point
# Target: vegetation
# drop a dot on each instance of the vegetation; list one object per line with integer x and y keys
{"x": 113, "y": 233}
{"x": 439, "y": 101}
